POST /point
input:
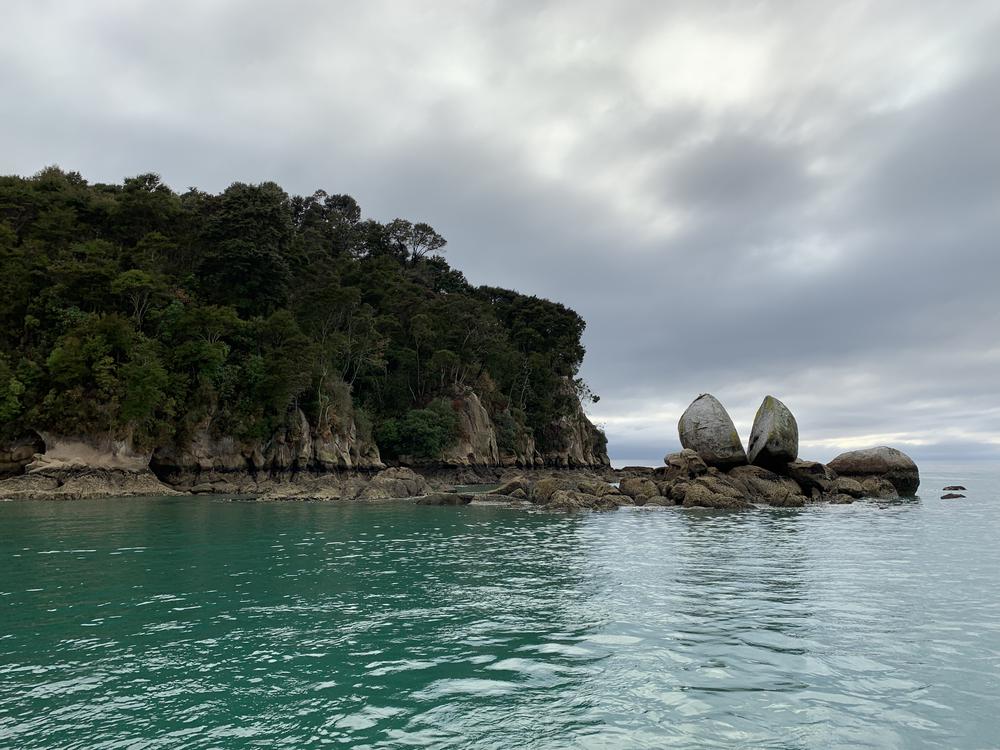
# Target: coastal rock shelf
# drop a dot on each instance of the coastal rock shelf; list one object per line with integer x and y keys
{"x": 714, "y": 471}
{"x": 298, "y": 461}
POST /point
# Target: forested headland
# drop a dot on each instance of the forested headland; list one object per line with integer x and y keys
{"x": 157, "y": 319}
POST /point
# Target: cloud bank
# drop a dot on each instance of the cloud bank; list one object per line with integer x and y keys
{"x": 743, "y": 198}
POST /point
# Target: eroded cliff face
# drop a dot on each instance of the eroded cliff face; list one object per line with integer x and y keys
{"x": 16, "y": 454}
{"x": 206, "y": 460}
{"x": 72, "y": 467}
{"x": 65, "y": 453}
{"x": 477, "y": 442}
{"x": 584, "y": 445}
{"x": 580, "y": 443}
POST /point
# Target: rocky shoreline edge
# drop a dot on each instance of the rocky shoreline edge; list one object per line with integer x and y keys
{"x": 711, "y": 471}
{"x": 685, "y": 481}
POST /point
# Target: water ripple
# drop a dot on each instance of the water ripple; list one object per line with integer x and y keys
{"x": 187, "y": 623}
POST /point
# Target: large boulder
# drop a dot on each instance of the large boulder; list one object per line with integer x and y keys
{"x": 883, "y": 463}
{"x": 774, "y": 438}
{"x": 706, "y": 428}
{"x": 394, "y": 483}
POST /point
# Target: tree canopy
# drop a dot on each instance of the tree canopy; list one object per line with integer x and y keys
{"x": 134, "y": 310}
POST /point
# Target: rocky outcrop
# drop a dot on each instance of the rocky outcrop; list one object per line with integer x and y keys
{"x": 74, "y": 467}
{"x": 570, "y": 494}
{"x": 67, "y": 453}
{"x": 638, "y": 488}
{"x": 522, "y": 452}
{"x": 574, "y": 440}
{"x": 559, "y": 492}
{"x": 774, "y": 438}
{"x": 16, "y": 454}
{"x": 713, "y": 492}
{"x": 811, "y": 475}
{"x": 687, "y": 482}
{"x": 709, "y": 472}
{"x": 204, "y": 459}
{"x": 685, "y": 464}
{"x": 761, "y": 485}
{"x": 48, "y": 483}
{"x": 706, "y": 428}
{"x": 209, "y": 462}
{"x": 477, "y": 442}
{"x": 388, "y": 484}
{"x": 883, "y": 463}
{"x": 394, "y": 483}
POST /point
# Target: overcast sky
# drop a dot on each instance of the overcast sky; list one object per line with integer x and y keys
{"x": 795, "y": 198}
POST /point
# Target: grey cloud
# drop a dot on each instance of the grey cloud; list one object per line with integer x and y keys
{"x": 829, "y": 235}
{"x": 750, "y": 177}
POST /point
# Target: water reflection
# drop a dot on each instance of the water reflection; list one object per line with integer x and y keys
{"x": 194, "y": 623}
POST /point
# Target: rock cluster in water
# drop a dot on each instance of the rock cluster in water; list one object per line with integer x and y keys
{"x": 713, "y": 470}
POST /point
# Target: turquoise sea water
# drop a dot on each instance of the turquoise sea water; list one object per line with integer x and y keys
{"x": 199, "y": 623}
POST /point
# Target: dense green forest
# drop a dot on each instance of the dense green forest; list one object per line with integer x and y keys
{"x": 135, "y": 311}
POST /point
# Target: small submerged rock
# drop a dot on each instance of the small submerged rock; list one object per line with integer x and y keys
{"x": 951, "y": 496}
{"x": 445, "y": 498}
{"x": 953, "y": 488}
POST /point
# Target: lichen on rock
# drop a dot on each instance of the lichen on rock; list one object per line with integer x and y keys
{"x": 706, "y": 428}
{"x": 883, "y": 462}
{"x": 774, "y": 437}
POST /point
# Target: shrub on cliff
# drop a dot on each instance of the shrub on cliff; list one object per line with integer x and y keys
{"x": 422, "y": 433}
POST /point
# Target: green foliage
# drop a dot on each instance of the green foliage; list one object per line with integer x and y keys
{"x": 421, "y": 433}
{"x": 133, "y": 310}
{"x": 510, "y": 430}
{"x": 11, "y": 390}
